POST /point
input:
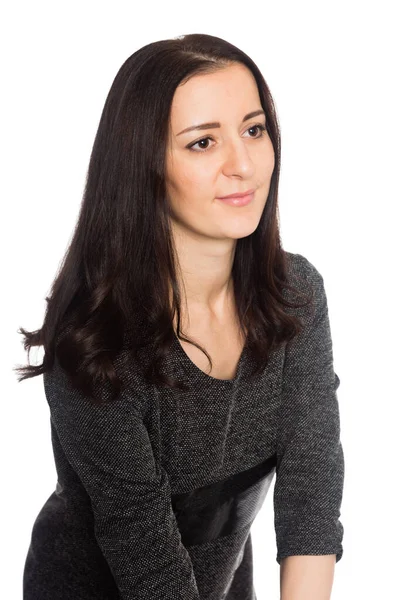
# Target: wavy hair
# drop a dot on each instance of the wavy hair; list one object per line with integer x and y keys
{"x": 111, "y": 295}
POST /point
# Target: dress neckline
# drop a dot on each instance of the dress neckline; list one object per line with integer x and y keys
{"x": 198, "y": 374}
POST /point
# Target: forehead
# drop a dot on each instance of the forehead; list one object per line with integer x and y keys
{"x": 228, "y": 93}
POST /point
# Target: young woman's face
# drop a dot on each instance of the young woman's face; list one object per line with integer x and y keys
{"x": 231, "y": 158}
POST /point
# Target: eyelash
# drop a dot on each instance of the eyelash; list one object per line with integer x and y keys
{"x": 259, "y": 125}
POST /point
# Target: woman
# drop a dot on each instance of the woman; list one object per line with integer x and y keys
{"x": 180, "y": 376}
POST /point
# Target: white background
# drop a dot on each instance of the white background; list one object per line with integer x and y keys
{"x": 333, "y": 69}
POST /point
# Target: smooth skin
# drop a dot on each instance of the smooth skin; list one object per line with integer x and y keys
{"x": 234, "y": 158}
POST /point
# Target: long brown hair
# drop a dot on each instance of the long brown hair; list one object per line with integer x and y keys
{"x": 112, "y": 290}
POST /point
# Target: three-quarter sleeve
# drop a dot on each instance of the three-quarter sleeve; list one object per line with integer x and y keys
{"x": 310, "y": 462}
{"x": 134, "y": 524}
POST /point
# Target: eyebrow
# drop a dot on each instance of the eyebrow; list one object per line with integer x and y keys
{"x": 215, "y": 124}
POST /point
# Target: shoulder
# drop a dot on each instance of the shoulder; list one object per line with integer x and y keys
{"x": 306, "y": 278}
{"x": 63, "y": 394}
{"x": 300, "y": 265}
{"x": 303, "y": 274}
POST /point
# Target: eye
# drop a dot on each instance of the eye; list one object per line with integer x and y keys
{"x": 259, "y": 126}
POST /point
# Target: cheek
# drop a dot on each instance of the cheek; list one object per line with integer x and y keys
{"x": 270, "y": 157}
{"x": 196, "y": 173}
{"x": 190, "y": 197}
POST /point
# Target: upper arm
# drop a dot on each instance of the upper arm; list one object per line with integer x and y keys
{"x": 310, "y": 461}
{"x": 109, "y": 448}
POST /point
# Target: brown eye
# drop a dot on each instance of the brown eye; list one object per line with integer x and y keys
{"x": 202, "y": 142}
{"x": 259, "y": 126}
{"x": 254, "y": 127}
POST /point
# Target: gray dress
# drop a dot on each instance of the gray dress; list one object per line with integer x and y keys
{"x": 156, "y": 493}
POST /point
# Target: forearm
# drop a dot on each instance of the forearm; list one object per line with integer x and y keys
{"x": 307, "y": 577}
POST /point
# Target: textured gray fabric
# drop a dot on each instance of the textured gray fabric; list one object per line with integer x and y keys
{"x": 108, "y": 531}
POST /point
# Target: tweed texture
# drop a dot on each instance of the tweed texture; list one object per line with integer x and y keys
{"x": 109, "y": 532}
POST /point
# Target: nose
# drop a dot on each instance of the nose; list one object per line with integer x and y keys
{"x": 238, "y": 159}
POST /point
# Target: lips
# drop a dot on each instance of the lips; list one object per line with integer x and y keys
{"x": 238, "y": 200}
{"x": 237, "y": 195}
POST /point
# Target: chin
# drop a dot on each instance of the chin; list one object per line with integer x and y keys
{"x": 242, "y": 232}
